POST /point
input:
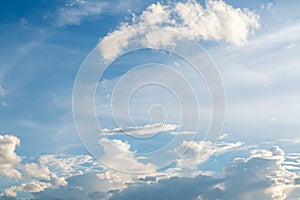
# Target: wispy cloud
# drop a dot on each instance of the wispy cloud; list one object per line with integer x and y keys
{"x": 290, "y": 140}
{"x": 75, "y": 11}
{"x": 148, "y": 129}
{"x": 2, "y": 91}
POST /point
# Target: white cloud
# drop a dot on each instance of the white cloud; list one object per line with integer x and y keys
{"x": 262, "y": 173}
{"x": 31, "y": 187}
{"x": 259, "y": 176}
{"x": 198, "y": 152}
{"x": 46, "y": 179}
{"x": 9, "y": 160}
{"x": 37, "y": 171}
{"x": 223, "y": 136}
{"x": 117, "y": 153}
{"x": 2, "y": 91}
{"x": 290, "y": 140}
{"x": 216, "y": 21}
{"x": 148, "y": 129}
{"x": 286, "y": 35}
{"x": 66, "y": 166}
{"x": 11, "y": 167}
{"x": 267, "y": 6}
{"x": 74, "y": 11}
{"x": 183, "y": 133}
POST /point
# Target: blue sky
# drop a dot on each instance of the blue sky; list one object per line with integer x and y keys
{"x": 254, "y": 46}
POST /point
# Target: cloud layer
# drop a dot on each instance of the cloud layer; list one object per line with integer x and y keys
{"x": 259, "y": 176}
{"x": 264, "y": 174}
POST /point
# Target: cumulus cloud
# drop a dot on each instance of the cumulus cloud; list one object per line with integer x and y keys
{"x": 70, "y": 165}
{"x": 46, "y": 179}
{"x": 259, "y": 176}
{"x": 117, "y": 152}
{"x": 12, "y": 167}
{"x": 264, "y": 174}
{"x": 9, "y": 160}
{"x": 148, "y": 129}
{"x": 37, "y": 171}
{"x": 31, "y": 187}
{"x": 195, "y": 153}
{"x": 214, "y": 21}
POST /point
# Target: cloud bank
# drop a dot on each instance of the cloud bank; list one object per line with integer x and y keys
{"x": 259, "y": 176}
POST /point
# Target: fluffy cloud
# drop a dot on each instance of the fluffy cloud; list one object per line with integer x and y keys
{"x": 148, "y": 129}
{"x": 194, "y": 153}
{"x": 259, "y": 176}
{"x": 262, "y": 175}
{"x": 37, "y": 171}
{"x": 66, "y": 166}
{"x": 32, "y": 187}
{"x": 11, "y": 167}
{"x": 216, "y": 21}
{"x": 117, "y": 153}
{"x": 9, "y": 161}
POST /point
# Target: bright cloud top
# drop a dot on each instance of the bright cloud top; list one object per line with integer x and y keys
{"x": 8, "y": 158}
{"x": 214, "y": 21}
{"x": 199, "y": 152}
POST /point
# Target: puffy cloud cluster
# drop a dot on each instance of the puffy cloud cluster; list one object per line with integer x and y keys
{"x": 66, "y": 166}
{"x": 54, "y": 172}
{"x": 214, "y": 21}
{"x": 37, "y": 171}
{"x": 12, "y": 167}
{"x": 45, "y": 180}
{"x": 260, "y": 176}
{"x": 32, "y": 187}
{"x": 264, "y": 174}
{"x": 9, "y": 160}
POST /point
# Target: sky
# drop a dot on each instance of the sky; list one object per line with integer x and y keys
{"x": 149, "y": 99}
